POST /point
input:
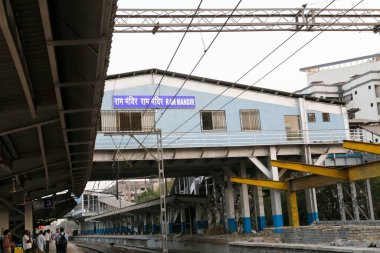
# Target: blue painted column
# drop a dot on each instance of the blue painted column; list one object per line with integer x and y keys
{"x": 154, "y": 224}
{"x": 275, "y": 196}
{"x": 145, "y": 224}
{"x": 245, "y": 212}
{"x": 230, "y": 208}
{"x": 170, "y": 217}
{"x": 183, "y": 220}
{"x": 198, "y": 219}
{"x": 259, "y": 207}
{"x": 310, "y": 195}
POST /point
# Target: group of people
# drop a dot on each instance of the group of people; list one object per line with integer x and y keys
{"x": 38, "y": 245}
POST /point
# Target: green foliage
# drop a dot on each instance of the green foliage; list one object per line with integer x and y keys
{"x": 146, "y": 196}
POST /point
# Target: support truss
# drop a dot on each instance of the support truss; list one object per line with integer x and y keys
{"x": 242, "y": 20}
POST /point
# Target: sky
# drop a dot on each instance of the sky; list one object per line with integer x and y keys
{"x": 233, "y": 54}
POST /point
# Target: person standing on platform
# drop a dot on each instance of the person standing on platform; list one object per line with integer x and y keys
{"x": 47, "y": 240}
{"x": 61, "y": 241}
{"x": 27, "y": 242}
{"x": 55, "y": 239}
{"x": 7, "y": 248}
{"x": 40, "y": 242}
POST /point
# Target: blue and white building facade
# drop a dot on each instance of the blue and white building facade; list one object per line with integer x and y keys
{"x": 237, "y": 129}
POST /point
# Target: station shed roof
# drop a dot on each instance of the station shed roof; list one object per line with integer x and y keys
{"x": 222, "y": 83}
{"x": 171, "y": 200}
{"x": 53, "y": 61}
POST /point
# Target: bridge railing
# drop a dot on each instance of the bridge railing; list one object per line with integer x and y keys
{"x": 229, "y": 139}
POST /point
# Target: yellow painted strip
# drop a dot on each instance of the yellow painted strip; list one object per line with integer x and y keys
{"x": 314, "y": 169}
{"x": 364, "y": 171}
{"x": 293, "y": 209}
{"x": 362, "y": 146}
{"x": 258, "y": 182}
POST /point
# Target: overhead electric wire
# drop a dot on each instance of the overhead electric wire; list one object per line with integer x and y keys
{"x": 191, "y": 72}
{"x": 170, "y": 62}
{"x": 260, "y": 79}
{"x": 173, "y": 56}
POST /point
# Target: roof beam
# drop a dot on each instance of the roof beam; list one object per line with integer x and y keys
{"x": 259, "y": 182}
{"x": 311, "y": 181}
{"x": 45, "y": 17}
{"x": 364, "y": 171}
{"x": 10, "y": 32}
{"x": 79, "y": 110}
{"x": 314, "y": 169}
{"x": 76, "y": 42}
{"x": 75, "y": 84}
{"x": 27, "y": 127}
{"x": 362, "y": 146}
{"x": 78, "y": 129}
{"x": 28, "y": 170}
{"x": 10, "y": 205}
{"x": 43, "y": 154}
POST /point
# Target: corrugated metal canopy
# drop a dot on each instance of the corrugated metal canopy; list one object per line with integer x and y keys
{"x": 53, "y": 62}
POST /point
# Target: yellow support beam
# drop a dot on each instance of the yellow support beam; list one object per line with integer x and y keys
{"x": 259, "y": 182}
{"x": 362, "y": 146}
{"x": 293, "y": 208}
{"x": 364, "y": 171}
{"x": 314, "y": 169}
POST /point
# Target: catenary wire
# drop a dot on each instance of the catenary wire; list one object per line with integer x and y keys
{"x": 260, "y": 79}
{"x": 194, "y": 68}
{"x": 170, "y": 62}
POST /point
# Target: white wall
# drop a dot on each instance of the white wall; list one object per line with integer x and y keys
{"x": 332, "y": 76}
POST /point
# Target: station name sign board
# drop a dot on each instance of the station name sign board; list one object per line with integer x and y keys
{"x": 138, "y": 102}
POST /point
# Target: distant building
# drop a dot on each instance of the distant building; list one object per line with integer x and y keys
{"x": 355, "y": 81}
{"x": 129, "y": 189}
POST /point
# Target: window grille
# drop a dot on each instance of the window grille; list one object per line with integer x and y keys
{"x": 213, "y": 120}
{"x": 250, "y": 120}
{"x": 125, "y": 121}
{"x": 326, "y": 117}
{"x": 311, "y": 117}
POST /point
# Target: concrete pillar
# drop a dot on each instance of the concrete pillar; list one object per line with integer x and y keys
{"x": 310, "y": 195}
{"x": 230, "y": 208}
{"x": 4, "y": 219}
{"x": 342, "y": 208}
{"x": 275, "y": 195}
{"x": 29, "y": 217}
{"x": 369, "y": 200}
{"x": 170, "y": 215}
{"x": 183, "y": 220}
{"x": 198, "y": 219}
{"x": 355, "y": 206}
{"x": 246, "y": 214}
{"x": 154, "y": 224}
{"x": 145, "y": 223}
{"x": 259, "y": 207}
{"x": 311, "y": 206}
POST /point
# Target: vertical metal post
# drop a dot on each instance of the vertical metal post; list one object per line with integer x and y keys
{"x": 369, "y": 200}
{"x": 162, "y": 185}
{"x": 293, "y": 209}
{"x": 354, "y": 198}
{"x": 341, "y": 201}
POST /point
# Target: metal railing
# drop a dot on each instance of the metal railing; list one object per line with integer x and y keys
{"x": 233, "y": 139}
